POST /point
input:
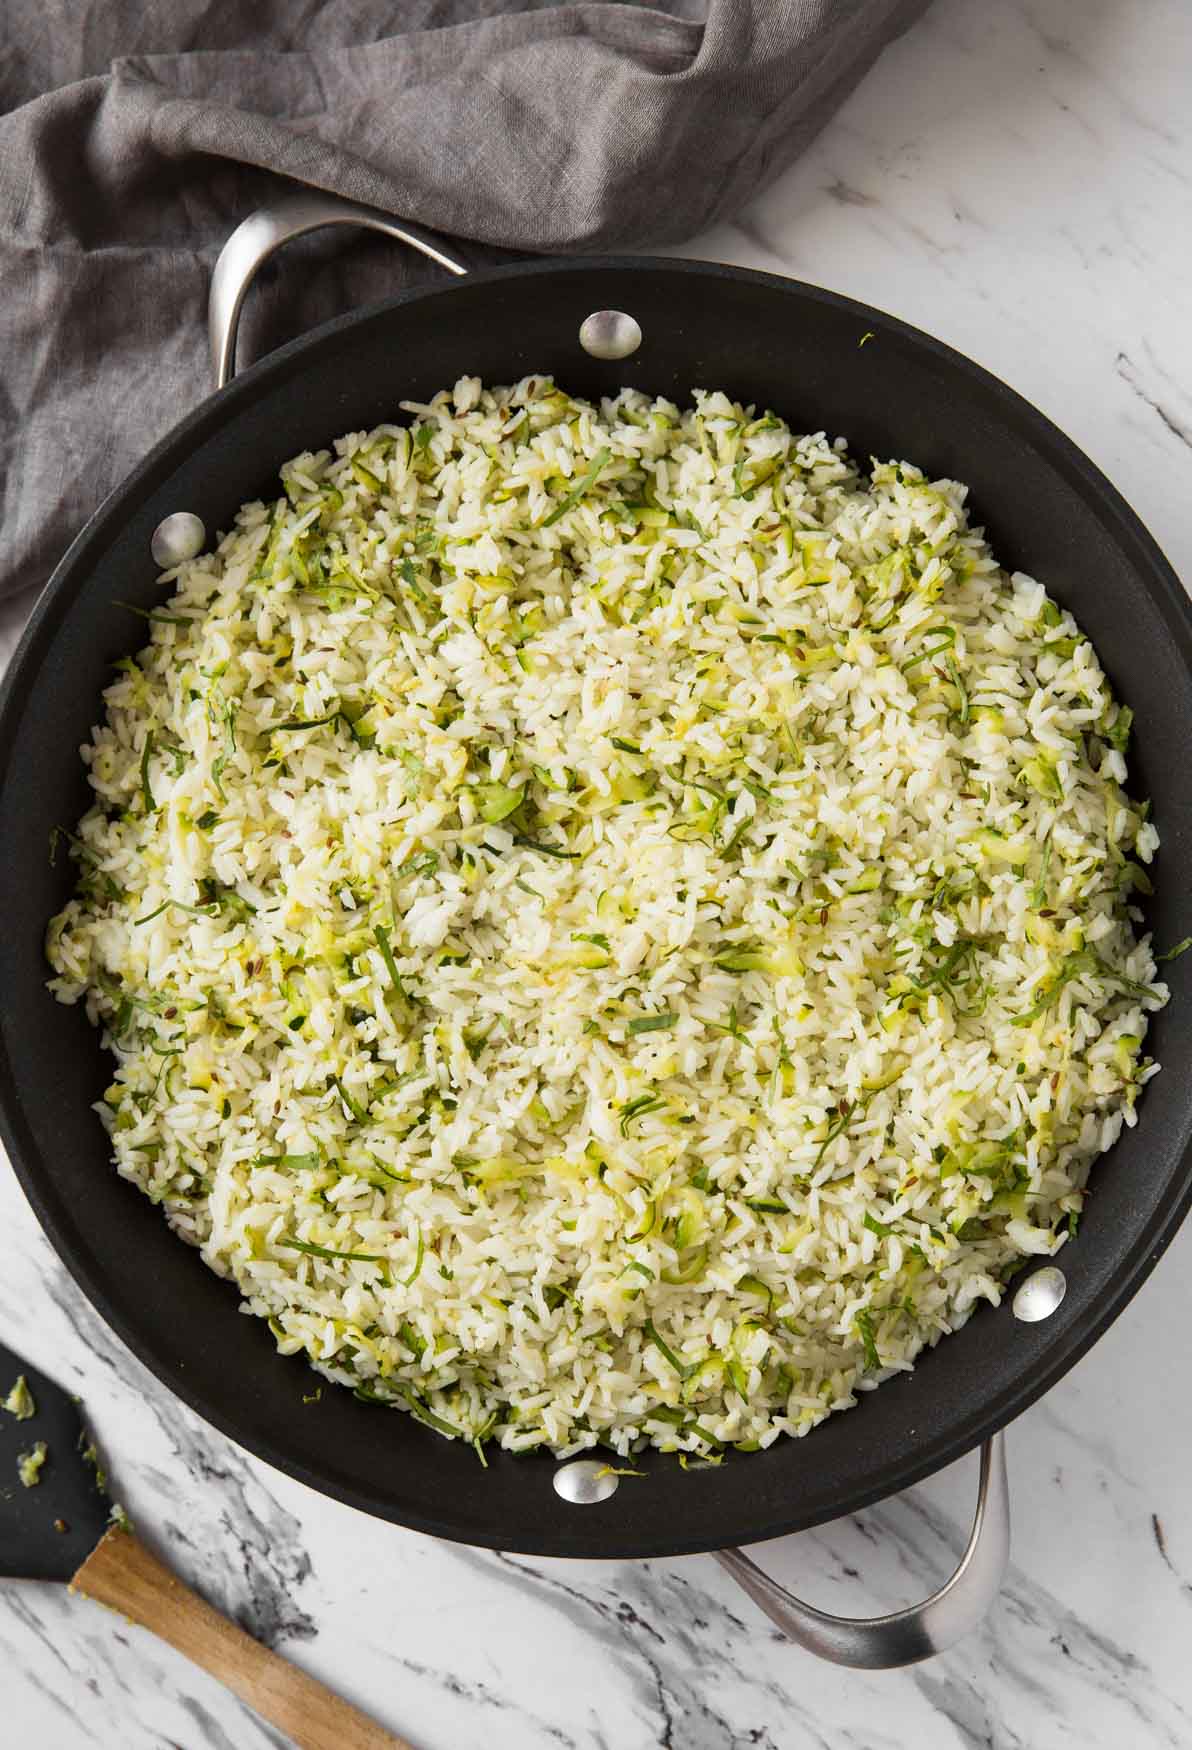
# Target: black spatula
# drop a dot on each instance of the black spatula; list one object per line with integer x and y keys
{"x": 62, "y": 1526}
{"x": 48, "y": 1530}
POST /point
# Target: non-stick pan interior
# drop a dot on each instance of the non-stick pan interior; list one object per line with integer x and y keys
{"x": 764, "y": 340}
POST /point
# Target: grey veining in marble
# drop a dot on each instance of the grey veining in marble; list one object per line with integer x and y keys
{"x": 1016, "y": 179}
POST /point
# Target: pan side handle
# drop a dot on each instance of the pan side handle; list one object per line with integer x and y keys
{"x": 905, "y": 1636}
{"x": 254, "y": 241}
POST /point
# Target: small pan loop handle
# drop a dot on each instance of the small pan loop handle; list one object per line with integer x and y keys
{"x": 880, "y": 1642}
{"x": 254, "y": 241}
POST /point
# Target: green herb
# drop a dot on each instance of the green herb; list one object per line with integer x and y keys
{"x": 308, "y": 722}
{"x": 651, "y": 1023}
{"x": 546, "y": 850}
{"x": 194, "y": 911}
{"x": 638, "y": 1108}
{"x": 864, "y": 1324}
{"x": 963, "y": 713}
{"x": 84, "y": 854}
{"x": 837, "y": 1127}
{"x": 382, "y": 936}
{"x": 582, "y": 486}
{"x": 155, "y": 615}
{"x": 221, "y": 760}
{"x": 414, "y": 1273}
{"x": 208, "y": 820}
{"x": 219, "y": 898}
{"x": 368, "y": 1396}
{"x": 422, "y": 1412}
{"x": 945, "y": 637}
{"x": 290, "y": 1163}
{"x": 738, "y": 833}
{"x": 19, "y": 1402}
{"x": 683, "y": 1371}
{"x": 411, "y": 582}
{"x": 624, "y": 746}
{"x": 1174, "y": 953}
{"x": 146, "y": 756}
{"x": 312, "y": 1397}
{"x": 767, "y": 1205}
{"x": 742, "y": 959}
{"x": 876, "y": 1227}
{"x": 178, "y": 754}
{"x": 955, "y": 967}
{"x": 354, "y": 1107}
{"x": 1076, "y": 966}
{"x": 313, "y": 1251}
{"x": 413, "y": 1340}
{"x": 732, "y": 1026}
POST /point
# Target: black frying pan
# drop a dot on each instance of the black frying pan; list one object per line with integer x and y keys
{"x": 766, "y": 340}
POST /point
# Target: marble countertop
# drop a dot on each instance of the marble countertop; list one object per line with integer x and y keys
{"x": 1015, "y": 179}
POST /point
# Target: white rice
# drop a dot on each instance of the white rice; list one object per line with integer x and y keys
{"x": 802, "y": 1040}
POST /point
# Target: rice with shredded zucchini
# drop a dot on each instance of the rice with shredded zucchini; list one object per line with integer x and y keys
{"x": 614, "y": 924}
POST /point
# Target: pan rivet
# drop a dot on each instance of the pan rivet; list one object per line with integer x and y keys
{"x": 177, "y": 538}
{"x": 610, "y": 334}
{"x": 1040, "y": 1295}
{"x": 586, "y": 1481}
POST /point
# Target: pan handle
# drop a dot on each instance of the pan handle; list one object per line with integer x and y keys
{"x": 255, "y": 240}
{"x": 905, "y": 1636}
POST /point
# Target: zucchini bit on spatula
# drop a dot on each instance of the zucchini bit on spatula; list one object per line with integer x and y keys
{"x": 64, "y": 1525}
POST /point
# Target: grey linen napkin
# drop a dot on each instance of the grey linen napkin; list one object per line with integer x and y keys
{"x": 549, "y": 128}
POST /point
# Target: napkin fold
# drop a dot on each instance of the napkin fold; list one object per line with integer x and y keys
{"x": 123, "y": 169}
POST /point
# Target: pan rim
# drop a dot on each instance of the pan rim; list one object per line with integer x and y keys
{"x": 1128, "y": 533}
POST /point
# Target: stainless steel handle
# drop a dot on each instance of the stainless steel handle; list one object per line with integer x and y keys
{"x": 879, "y": 1642}
{"x": 254, "y": 241}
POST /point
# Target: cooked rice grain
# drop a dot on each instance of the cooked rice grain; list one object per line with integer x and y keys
{"x": 613, "y": 924}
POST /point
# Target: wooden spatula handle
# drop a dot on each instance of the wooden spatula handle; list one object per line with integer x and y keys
{"x": 123, "y": 1574}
